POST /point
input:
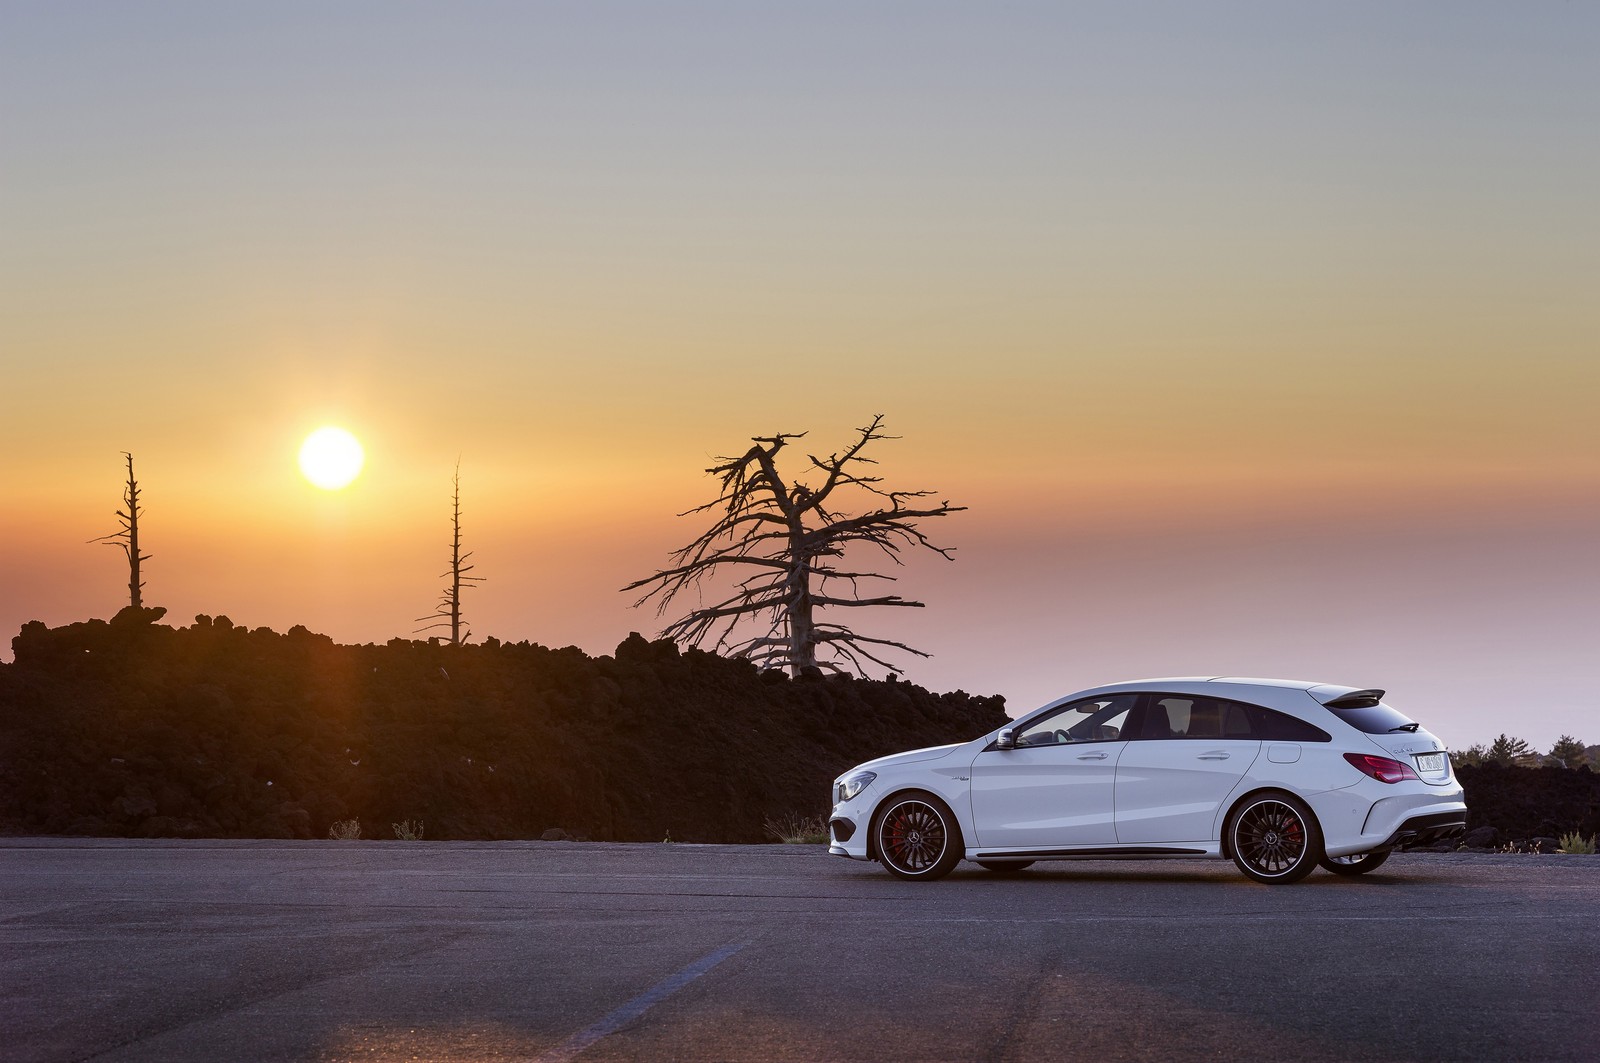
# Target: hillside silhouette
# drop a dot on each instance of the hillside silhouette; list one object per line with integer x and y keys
{"x": 132, "y": 728}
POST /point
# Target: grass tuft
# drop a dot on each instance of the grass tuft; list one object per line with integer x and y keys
{"x": 795, "y": 829}
{"x": 408, "y": 830}
{"x": 345, "y": 830}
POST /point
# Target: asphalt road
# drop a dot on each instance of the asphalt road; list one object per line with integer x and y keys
{"x": 207, "y": 951}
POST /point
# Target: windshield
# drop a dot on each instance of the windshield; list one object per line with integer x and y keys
{"x": 1378, "y": 719}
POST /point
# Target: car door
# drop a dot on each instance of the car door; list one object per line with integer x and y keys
{"x": 1188, "y": 756}
{"x": 1055, "y": 789}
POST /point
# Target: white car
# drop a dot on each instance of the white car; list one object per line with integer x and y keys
{"x": 1280, "y": 776}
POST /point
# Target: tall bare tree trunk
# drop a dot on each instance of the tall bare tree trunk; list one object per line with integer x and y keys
{"x": 128, "y": 538}
{"x": 449, "y": 614}
{"x": 135, "y": 584}
{"x": 802, "y": 628}
{"x": 455, "y": 563}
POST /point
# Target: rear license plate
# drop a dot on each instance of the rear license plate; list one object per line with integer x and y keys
{"x": 1430, "y": 762}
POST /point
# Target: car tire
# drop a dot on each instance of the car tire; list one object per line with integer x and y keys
{"x": 1358, "y": 864}
{"x": 1005, "y": 867}
{"x": 1274, "y": 838}
{"x": 916, "y": 836}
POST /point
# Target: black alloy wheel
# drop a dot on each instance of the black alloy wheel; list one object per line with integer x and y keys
{"x": 1275, "y": 838}
{"x": 917, "y": 837}
{"x": 1357, "y": 864}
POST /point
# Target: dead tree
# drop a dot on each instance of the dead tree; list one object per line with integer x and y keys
{"x": 449, "y": 614}
{"x": 784, "y": 545}
{"x": 128, "y": 537}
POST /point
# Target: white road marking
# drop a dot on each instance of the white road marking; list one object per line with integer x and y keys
{"x": 636, "y": 1007}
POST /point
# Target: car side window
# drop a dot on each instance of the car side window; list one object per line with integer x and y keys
{"x": 1281, "y": 727}
{"x": 1092, "y": 720}
{"x": 1191, "y": 716}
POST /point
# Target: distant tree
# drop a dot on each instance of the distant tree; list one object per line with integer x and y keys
{"x": 449, "y": 614}
{"x": 1507, "y": 751}
{"x": 1472, "y": 756}
{"x": 783, "y": 543}
{"x": 128, "y": 537}
{"x": 1569, "y": 751}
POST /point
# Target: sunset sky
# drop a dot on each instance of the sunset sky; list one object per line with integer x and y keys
{"x": 1259, "y": 339}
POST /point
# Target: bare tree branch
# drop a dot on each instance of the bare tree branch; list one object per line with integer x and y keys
{"x": 789, "y": 532}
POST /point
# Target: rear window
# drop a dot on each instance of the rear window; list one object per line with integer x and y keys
{"x": 1281, "y": 727}
{"x": 1376, "y": 719}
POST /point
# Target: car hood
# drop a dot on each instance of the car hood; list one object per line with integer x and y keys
{"x": 909, "y": 757}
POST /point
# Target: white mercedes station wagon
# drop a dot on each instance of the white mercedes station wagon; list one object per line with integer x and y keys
{"x": 1280, "y": 776}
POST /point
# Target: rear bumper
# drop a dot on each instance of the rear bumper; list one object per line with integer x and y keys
{"x": 1424, "y": 830}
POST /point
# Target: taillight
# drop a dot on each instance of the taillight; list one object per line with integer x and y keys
{"x": 1381, "y": 768}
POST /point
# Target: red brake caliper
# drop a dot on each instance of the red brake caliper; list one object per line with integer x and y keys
{"x": 897, "y": 834}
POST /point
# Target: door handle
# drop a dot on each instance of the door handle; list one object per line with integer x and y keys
{"x": 1215, "y": 754}
{"x": 1093, "y": 756}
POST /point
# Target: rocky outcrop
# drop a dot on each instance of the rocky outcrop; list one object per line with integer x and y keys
{"x": 1517, "y": 807}
{"x": 141, "y": 730}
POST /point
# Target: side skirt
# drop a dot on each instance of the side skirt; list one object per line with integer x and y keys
{"x": 1067, "y": 854}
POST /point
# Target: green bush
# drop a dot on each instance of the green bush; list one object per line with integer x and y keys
{"x": 1577, "y": 844}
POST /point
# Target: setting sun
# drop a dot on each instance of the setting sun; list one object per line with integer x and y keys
{"x": 331, "y": 457}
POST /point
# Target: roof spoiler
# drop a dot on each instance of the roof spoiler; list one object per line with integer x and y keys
{"x": 1355, "y": 699}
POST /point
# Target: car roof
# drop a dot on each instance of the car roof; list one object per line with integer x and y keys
{"x": 1236, "y": 680}
{"x": 1287, "y": 693}
{"x": 1293, "y": 684}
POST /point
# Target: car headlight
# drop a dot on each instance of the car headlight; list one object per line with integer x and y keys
{"x": 851, "y": 785}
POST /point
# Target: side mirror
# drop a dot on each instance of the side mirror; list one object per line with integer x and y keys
{"x": 1006, "y": 739}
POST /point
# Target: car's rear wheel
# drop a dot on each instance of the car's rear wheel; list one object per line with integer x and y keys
{"x": 1004, "y": 867}
{"x": 1274, "y": 838}
{"x": 1358, "y": 864}
{"x": 916, "y": 836}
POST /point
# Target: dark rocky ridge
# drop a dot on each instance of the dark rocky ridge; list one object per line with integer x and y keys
{"x": 130, "y": 728}
{"x": 1520, "y": 804}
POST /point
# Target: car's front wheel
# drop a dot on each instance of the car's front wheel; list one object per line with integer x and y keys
{"x": 917, "y": 837}
{"x": 1274, "y": 838}
{"x": 1358, "y": 864}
